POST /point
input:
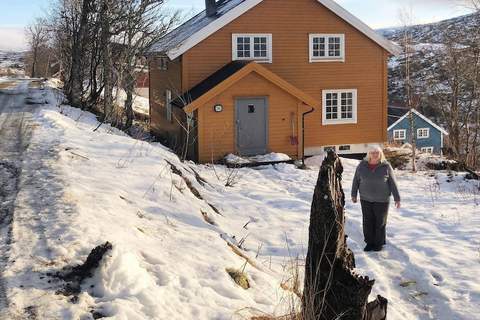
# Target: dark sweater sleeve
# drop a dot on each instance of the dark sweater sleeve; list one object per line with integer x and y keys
{"x": 356, "y": 183}
{"x": 393, "y": 184}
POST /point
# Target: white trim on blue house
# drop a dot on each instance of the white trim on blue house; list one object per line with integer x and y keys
{"x": 441, "y": 144}
{"x": 423, "y": 133}
{"x": 427, "y": 149}
{"x": 231, "y": 15}
{"x": 421, "y": 116}
{"x": 402, "y": 134}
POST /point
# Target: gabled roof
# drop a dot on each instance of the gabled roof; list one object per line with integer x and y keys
{"x": 421, "y": 116}
{"x": 230, "y": 74}
{"x": 211, "y": 82}
{"x": 198, "y": 28}
{"x": 187, "y": 35}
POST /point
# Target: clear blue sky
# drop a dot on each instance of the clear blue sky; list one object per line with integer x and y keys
{"x": 380, "y": 13}
{"x": 376, "y": 13}
{"x": 16, "y": 14}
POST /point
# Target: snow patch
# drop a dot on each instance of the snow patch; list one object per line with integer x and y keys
{"x": 270, "y": 157}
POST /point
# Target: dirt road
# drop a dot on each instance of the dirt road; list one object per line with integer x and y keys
{"x": 15, "y": 132}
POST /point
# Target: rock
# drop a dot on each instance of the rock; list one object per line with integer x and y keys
{"x": 239, "y": 277}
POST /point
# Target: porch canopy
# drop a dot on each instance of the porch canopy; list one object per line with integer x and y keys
{"x": 226, "y": 77}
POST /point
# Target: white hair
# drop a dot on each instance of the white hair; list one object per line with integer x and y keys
{"x": 372, "y": 148}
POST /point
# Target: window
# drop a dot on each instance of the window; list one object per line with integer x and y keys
{"x": 326, "y": 149}
{"x": 399, "y": 134}
{"x": 168, "y": 104}
{"x": 339, "y": 106}
{"x": 327, "y": 47}
{"x": 423, "y": 133}
{"x": 344, "y": 148}
{"x": 243, "y": 47}
{"x": 256, "y": 47}
{"x": 427, "y": 149}
{"x": 163, "y": 63}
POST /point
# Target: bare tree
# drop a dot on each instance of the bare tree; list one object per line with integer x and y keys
{"x": 407, "y": 20}
{"x": 472, "y": 4}
{"x": 455, "y": 80}
{"x": 100, "y": 44}
{"x": 78, "y": 40}
{"x": 105, "y": 36}
{"x": 474, "y": 159}
{"x": 37, "y": 34}
{"x": 144, "y": 24}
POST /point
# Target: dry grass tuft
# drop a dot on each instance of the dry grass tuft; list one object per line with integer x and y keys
{"x": 240, "y": 277}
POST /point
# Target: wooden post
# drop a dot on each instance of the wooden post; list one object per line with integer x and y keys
{"x": 331, "y": 290}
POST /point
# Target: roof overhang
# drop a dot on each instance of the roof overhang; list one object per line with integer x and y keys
{"x": 231, "y": 15}
{"x": 388, "y": 45}
{"x": 422, "y": 117}
{"x": 251, "y": 67}
{"x": 211, "y": 28}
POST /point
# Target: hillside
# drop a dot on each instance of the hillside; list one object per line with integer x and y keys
{"x": 12, "y": 63}
{"x": 434, "y": 33}
{"x": 172, "y": 244}
{"x": 429, "y": 41}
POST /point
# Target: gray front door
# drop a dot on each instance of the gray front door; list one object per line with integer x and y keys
{"x": 251, "y": 120}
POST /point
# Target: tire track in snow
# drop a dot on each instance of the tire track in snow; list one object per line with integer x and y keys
{"x": 12, "y": 144}
{"x": 8, "y": 186}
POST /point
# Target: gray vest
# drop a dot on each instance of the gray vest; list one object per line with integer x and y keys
{"x": 376, "y": 185}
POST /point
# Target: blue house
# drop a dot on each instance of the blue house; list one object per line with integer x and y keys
{"x": 429, "y": 136}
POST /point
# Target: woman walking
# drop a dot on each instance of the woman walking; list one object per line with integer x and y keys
{"x": 375, "y": 180}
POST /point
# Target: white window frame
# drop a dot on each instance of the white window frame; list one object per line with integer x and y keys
{"x": 327, "y": 58}
{"x": 168, "y": 105}
{"x": 402, "y": 134}
{"x": 420, "y": 134}
{"x": 427, "y": 149}
{"x": 267, "y": 59}
{"x": 339, "y": 120}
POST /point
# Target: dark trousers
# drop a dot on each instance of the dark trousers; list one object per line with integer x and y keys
{"x": 374, "y": 222}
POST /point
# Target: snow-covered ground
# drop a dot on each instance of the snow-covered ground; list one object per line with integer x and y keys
{"x": 140, "y": 104}
{"x": 11, "y": 63}
{"x": 266, "y": 158}
{"x": 171, "y": 248}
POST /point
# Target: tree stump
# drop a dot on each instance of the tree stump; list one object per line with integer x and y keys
{"x": 331, "y": 290}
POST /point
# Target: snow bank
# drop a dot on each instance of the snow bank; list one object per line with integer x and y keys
{"x": 426, "y": 161}
{"x": 124, "y": 191}
{"x": 270, "y": 157}
{"x": 171, "y": 247}
{"x": 234, "y": 159}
